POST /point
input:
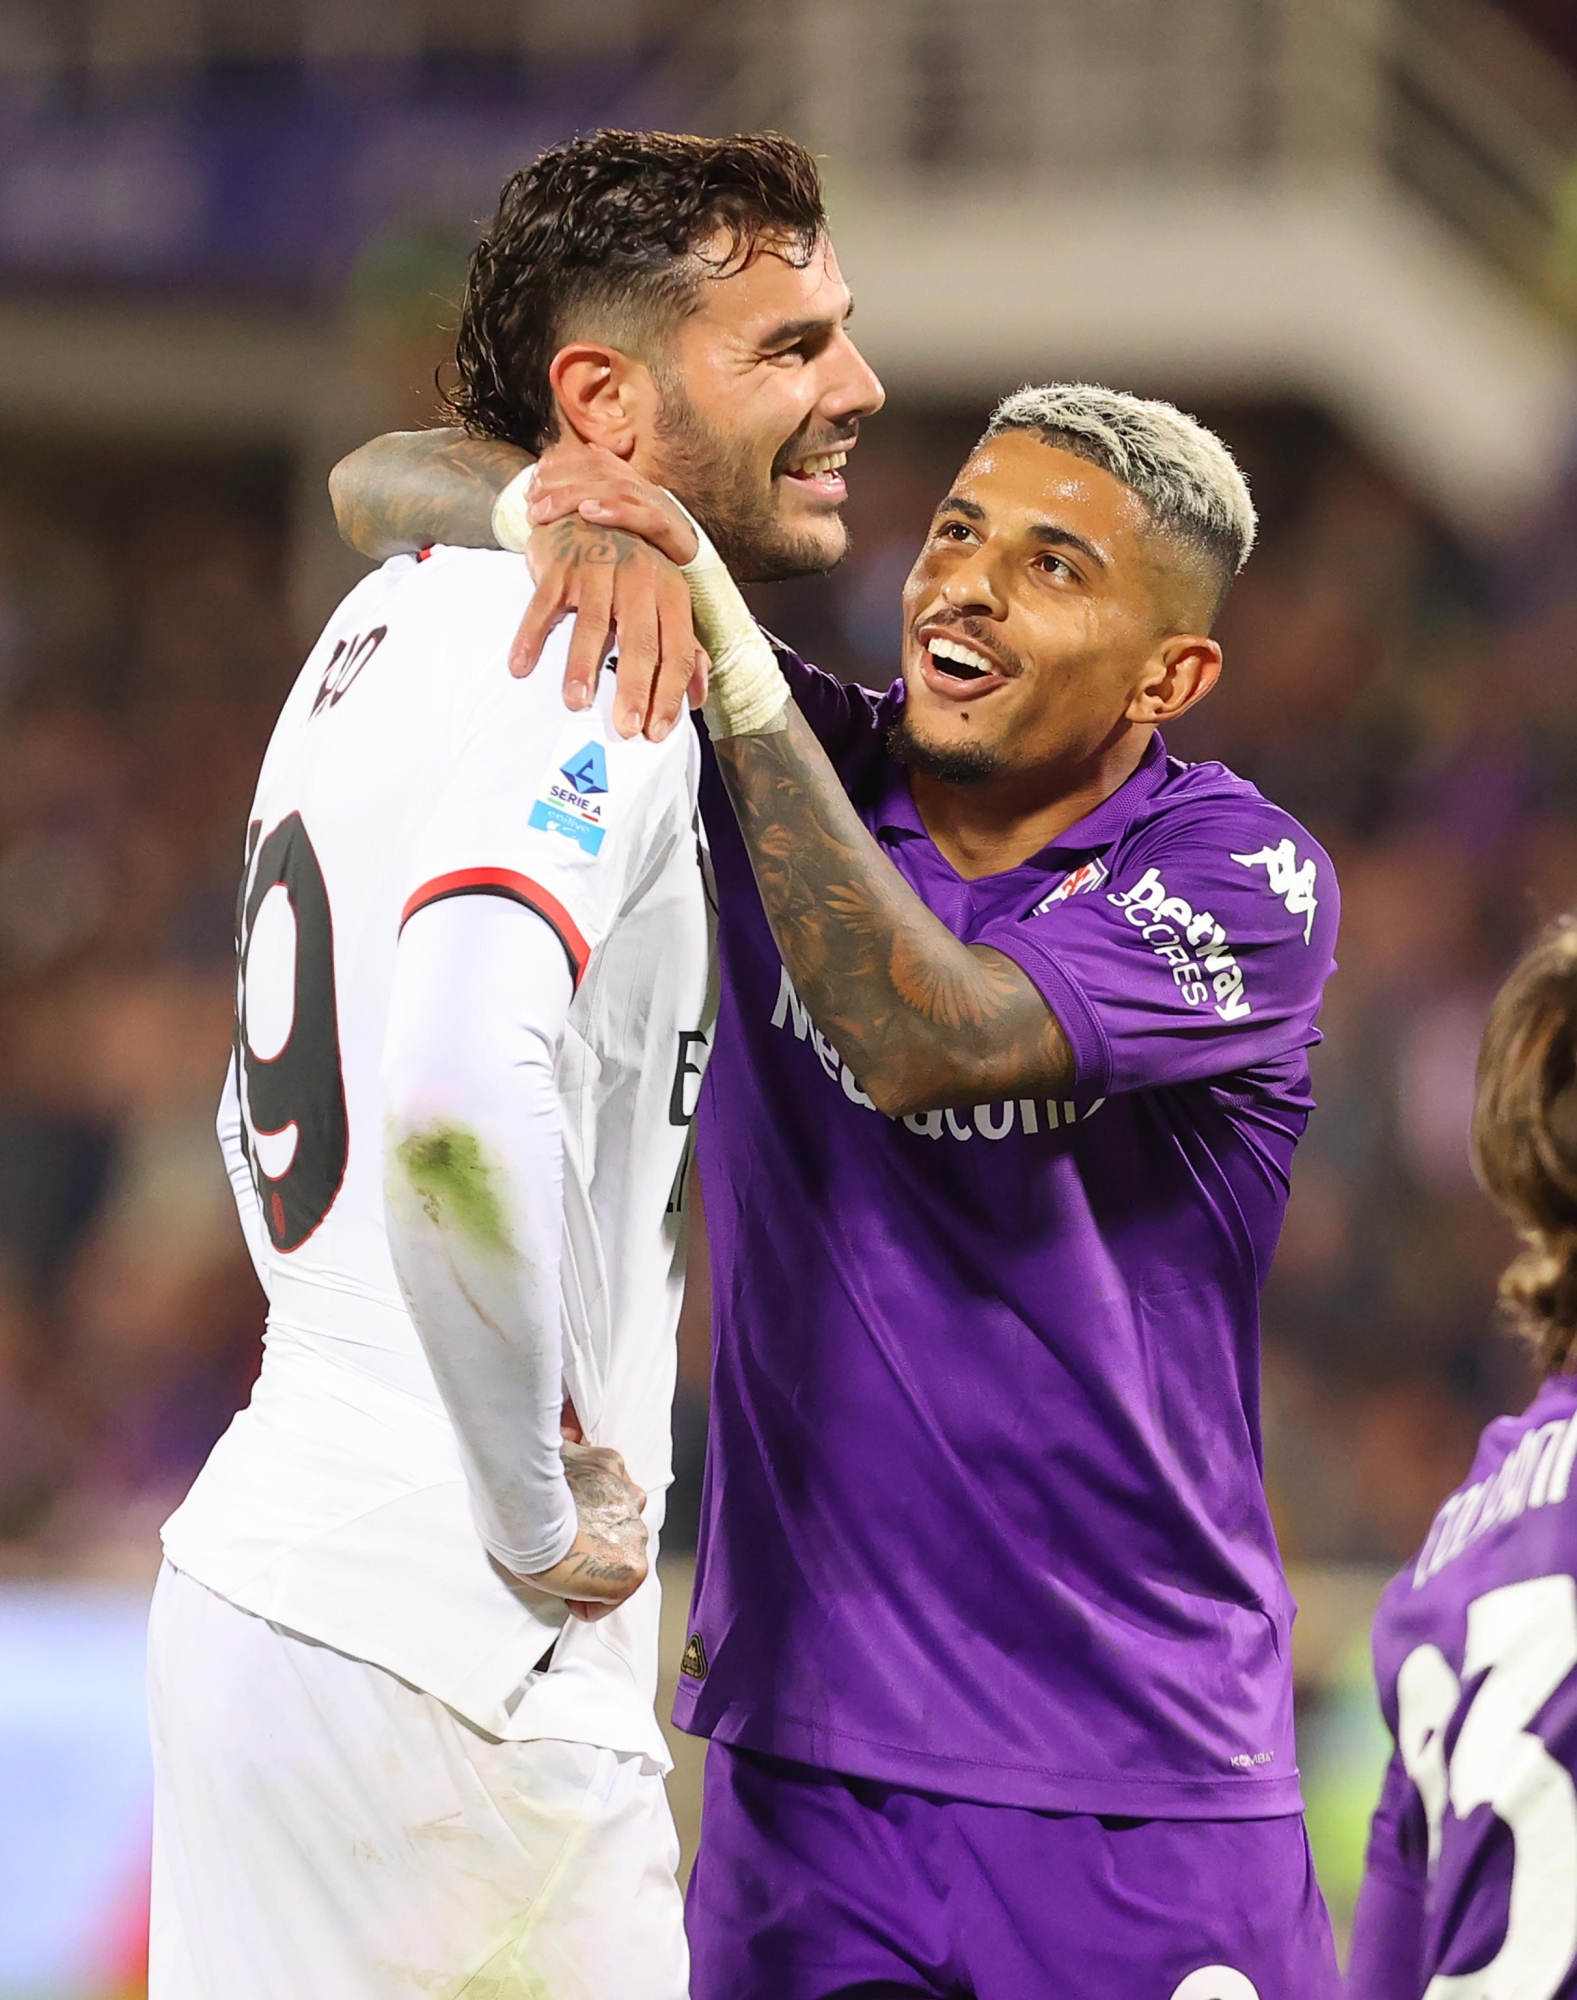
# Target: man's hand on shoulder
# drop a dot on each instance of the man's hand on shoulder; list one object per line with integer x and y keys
{"x": 607, "y": 1561}
{"x": 606, "y": 546}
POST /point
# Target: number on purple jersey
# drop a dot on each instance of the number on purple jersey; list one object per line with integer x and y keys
{"x": 1523, "y": 1639}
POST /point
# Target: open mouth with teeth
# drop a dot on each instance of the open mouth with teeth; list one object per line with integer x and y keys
{"x": 954, "y": 667}
{"x": 820, "y": 472}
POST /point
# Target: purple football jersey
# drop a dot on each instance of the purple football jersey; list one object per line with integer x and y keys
{"x": 1472, "y": 1872}
{"x": 984, "y": 1513}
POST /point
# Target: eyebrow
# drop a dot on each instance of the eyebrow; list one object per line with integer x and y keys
{"x": 1046, "y": 532}
{"x": 790, "y": 330}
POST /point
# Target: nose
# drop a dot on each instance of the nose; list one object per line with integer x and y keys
{"x": 971, "y": 587}
{"x": 854, "y": 388}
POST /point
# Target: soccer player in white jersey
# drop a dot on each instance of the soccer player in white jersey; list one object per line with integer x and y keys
{"x": 472, "y": 1015}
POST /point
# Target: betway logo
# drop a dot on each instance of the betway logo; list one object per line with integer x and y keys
{"x": 1191, "y": 942}
{"x": 1031, "y": 1115}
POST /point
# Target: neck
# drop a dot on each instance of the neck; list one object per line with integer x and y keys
{"x": 988, "y": 828}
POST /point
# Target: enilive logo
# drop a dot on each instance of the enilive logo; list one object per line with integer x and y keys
{"x": 1191, "y": 942}
{"x": 1293, "y": 884}
{"x": 1031, "y": 1115}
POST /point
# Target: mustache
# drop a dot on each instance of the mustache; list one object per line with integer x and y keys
{"x": 803, "y": 445}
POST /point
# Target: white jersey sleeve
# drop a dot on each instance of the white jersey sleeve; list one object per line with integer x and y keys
{"x": 232, "y": 1144}
{"x": 474, "y": 1181}
{"x": 535, "y": 844}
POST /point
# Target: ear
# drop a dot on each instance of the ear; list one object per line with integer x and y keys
{"x": 604, "y": 396}
{"x": 1182, "y": 671}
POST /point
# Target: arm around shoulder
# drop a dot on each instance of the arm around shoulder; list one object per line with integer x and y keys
{"x": 405, "y": 491}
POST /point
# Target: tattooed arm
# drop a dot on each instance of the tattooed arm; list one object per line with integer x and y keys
{"x": 923, "y": 1020}
{"x": 409, "y": 489}
{"x": 405, "y": 491}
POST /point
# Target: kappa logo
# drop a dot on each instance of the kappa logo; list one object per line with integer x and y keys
{"x": 1190, "y": 941}
{"x": 1077, "y": 882}
{"x": 574, "y": 808}
{"x": 1294, "y": 885}
{"x": 693, "y": 1664}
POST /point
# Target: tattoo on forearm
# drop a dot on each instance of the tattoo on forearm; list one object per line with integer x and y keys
{"x": 410, "y": 489}
{"x": 922, "y": 1019}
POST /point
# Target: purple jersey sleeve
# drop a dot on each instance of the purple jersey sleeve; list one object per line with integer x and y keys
{"x": 1388, "y": 1927}
{"x": 1204, "y": 954}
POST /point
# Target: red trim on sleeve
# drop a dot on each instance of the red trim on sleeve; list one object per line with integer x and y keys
{"x": 516, "y": 889}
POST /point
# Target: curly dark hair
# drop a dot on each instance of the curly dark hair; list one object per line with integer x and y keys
{"x": 601, "y": 238}
{"x": 1525, "y": 1139}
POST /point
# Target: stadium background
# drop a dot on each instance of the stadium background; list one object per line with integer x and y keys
{"x": 231, "y": 236}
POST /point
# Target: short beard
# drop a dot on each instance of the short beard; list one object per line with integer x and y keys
{"x": 956, "y": 764}
{"x": 706, "y": 473}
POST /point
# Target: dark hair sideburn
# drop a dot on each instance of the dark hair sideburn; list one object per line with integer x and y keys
{"x": 600, "y": 237}
{"x": 1525, "y": 1139}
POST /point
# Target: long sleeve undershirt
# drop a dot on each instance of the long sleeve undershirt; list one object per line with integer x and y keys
{"x": 474, "y": 1187}
{"x": 233, "y": 1146}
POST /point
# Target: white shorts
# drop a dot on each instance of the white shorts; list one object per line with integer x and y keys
{"x": 322, "y": 1831}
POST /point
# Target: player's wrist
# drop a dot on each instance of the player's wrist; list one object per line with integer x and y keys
{"x": 747, "y": 694}
{"x": 512, "y": 523}
{"x": 539, "y": 1550}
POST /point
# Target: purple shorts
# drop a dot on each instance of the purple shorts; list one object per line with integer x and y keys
{"x": 810, "y": 1885}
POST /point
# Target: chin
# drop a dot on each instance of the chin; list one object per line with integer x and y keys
{"x": 954, "y": 760}
{"x": 792, "y": 549}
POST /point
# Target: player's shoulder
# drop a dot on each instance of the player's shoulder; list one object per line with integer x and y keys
{"x": 1218, "y": 835}
{"x": 1208, "y": 803}
{"x": 1520, "y": 1483}
{"x": 472, "y": 592}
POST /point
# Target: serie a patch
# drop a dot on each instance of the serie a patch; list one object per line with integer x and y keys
{"x": 574, "y": 801}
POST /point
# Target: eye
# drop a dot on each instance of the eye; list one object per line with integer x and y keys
{"x": 954, "y": 531}
{"x": 1054, "y": 565}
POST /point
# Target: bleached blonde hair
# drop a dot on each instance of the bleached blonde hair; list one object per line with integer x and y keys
{"x": 1183, "y": 472}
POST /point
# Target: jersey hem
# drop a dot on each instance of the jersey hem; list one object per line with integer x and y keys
{"x": 993, "y": 1785}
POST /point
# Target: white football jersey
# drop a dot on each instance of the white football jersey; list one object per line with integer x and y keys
{"x": 406, "y": 766}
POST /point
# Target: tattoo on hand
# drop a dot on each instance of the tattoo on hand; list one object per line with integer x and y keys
{"x": 576, "y": 542}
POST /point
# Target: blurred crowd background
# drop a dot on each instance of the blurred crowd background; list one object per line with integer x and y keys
{"x": 189, "y": 338}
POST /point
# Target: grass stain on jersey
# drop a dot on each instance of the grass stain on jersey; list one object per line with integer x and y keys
{"x": 449, "y": 1169}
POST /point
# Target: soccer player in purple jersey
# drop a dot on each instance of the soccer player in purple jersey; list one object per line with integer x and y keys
{"x": 990, "y": 1634}
{"x": 1471, "y": 1890}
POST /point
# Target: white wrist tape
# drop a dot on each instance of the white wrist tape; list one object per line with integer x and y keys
{"x": 747, "y": 694}
{"x": 511, "y": 526}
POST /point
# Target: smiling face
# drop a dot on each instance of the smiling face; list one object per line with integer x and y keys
{"x": 1046, "y": 620}
{"x": 760, "y": 400}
